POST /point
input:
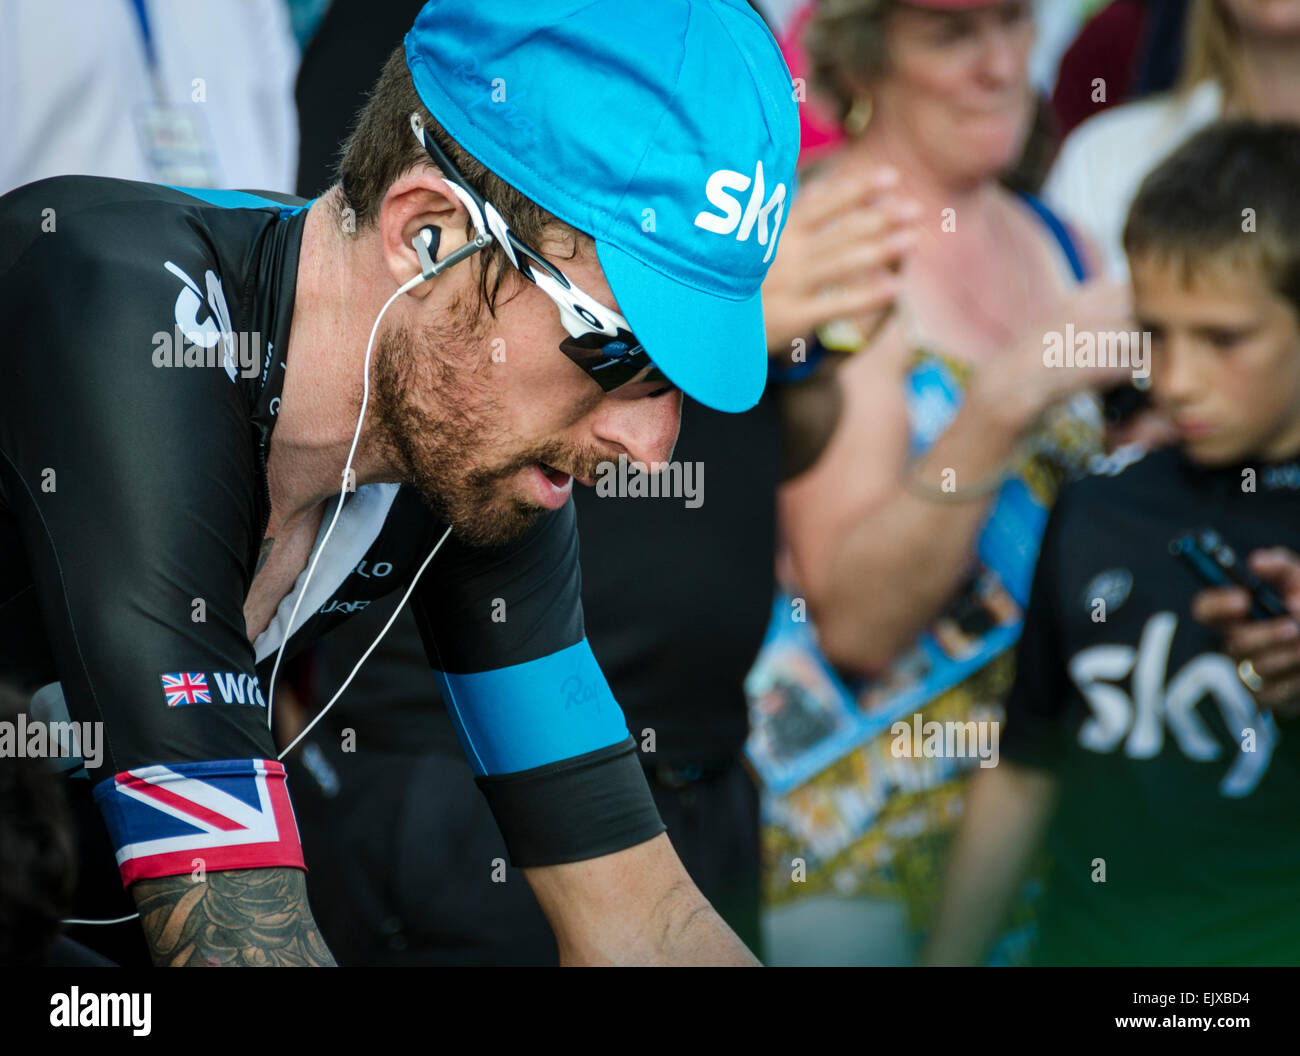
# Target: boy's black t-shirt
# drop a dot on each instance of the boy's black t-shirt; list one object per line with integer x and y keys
{"x": 1171, "y": 779}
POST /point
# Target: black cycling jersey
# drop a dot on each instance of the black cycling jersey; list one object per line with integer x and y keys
{"x": 1176, "y": 839}
{"x": 146, "y": 330}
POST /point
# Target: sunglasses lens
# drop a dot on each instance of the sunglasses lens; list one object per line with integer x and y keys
{"x": 612, "y": 361}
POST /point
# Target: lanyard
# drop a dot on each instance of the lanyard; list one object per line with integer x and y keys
{"x": 140, "y": 7}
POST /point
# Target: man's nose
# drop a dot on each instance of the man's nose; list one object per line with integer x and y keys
{"x": 645, "y": 429}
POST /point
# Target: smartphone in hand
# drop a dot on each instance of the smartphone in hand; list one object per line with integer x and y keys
{"x": 1216, "y": 564}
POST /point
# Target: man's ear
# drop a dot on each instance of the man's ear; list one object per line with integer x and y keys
{"x": 417, "y": 201}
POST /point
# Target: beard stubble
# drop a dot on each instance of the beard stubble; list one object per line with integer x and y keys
{"x": 437, "y": 410}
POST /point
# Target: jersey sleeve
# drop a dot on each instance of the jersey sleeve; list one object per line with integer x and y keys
{"x": 1037, "y": 704}
{"x": 131, "y": 486}
{"x": 550, "y": 748}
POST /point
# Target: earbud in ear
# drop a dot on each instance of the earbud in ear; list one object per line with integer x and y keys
{"x": 425, "y": 244}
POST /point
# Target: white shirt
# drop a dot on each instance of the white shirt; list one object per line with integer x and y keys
{"x": 73, "y": 72}
{"x": 1103, "y": 162}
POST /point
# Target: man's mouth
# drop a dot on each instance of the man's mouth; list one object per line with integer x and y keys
{"x": 561, "y": 477}
{"x": 558, "y": 477}
{"x": 550, "y": 487}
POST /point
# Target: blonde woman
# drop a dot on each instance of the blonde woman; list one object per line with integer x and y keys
{"x": 1242, "y": 58}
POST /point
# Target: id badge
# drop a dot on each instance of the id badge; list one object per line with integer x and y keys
{"x": 176, "y": 146}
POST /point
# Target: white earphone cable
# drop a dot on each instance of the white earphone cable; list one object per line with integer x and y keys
{"x": 364, "y": 656}
{"x": 270, "y": 698}
{"x": 114, "y": 920}
{"x": 343, "y": 490}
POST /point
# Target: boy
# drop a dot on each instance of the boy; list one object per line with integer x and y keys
{"x": 1165, "y": 791}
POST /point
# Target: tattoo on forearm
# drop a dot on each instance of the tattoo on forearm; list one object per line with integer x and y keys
{"x": 263, "y": 554}
{"x": 254, "y": 917}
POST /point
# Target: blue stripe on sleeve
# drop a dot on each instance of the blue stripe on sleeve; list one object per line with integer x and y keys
{"x": 238, "y": 199}
{"x": 531, "y": 714}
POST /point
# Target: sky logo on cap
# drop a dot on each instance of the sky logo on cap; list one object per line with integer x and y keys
{"x": 756, "y": 212}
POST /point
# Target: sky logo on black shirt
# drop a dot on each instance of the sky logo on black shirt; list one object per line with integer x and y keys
{"x": 1137, "y": 705}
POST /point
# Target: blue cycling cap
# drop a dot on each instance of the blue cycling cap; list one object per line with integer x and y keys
{"x": 667, "y": 131}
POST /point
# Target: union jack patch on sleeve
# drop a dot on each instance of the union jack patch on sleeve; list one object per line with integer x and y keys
{"x": 186, "y": 687}
{"x": 230, "y": 814}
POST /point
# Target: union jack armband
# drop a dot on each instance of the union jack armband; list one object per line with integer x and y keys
{"x": 173, "y": 819}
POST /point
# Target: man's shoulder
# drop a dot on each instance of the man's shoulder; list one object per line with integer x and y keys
{"x": 88, "y": 238}
{"x": 117, "y": 322}
{"x": 111, "y": 278}
{"x": 103, "y": 227}
{"x": 65, "y": 210}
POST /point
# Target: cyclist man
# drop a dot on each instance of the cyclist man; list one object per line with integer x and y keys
{"x": 231, "y": 423}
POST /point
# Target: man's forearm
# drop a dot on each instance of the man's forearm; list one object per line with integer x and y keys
{"x": 705, "y": 939}
{"x": 241, "y": 917}
{"x": 684, "y": 929}
{"x": 634, "y": 907}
